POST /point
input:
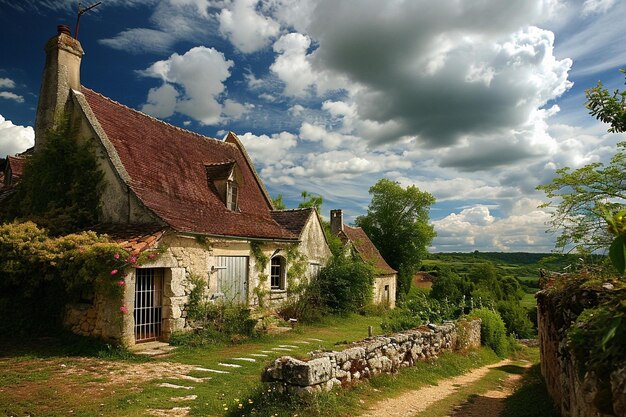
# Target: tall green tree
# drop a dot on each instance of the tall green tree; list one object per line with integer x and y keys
{"x": 278, "y": 202}
{"x": 311, "y": 200}
{"x": 397, "y": 223}
{"x": 585, "y": 198}
{"x": 61, "y": 184}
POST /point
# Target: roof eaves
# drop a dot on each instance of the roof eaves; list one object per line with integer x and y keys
{"x": 194, "y": 234}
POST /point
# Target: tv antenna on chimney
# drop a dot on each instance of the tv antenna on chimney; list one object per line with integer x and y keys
{"x": 81, "y": 11}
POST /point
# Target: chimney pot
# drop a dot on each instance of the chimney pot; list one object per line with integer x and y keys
{"x": 63, "y": 29}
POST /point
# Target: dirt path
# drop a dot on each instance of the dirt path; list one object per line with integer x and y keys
{"x": 490, "y": 403}
{"x": 413, "y": 402}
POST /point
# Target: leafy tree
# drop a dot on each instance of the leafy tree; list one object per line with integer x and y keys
{"x": 606, "y": 107}
{"x": 484, "y": 276}
{"x": 278, "y": 202}
{"x": 311, "y": 200}
{"x": 583, "y": 199}
{"x": 448, "y": 285}
{"x": 397, "y": 223}
{"x": 61, "y": 185}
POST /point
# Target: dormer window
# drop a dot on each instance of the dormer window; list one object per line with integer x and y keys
{"x": 225, "y": 180}
{"x": 231, "y": 195}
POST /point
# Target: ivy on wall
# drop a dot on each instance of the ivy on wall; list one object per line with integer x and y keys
{"x": 261, "y": 260}
{"x": 296, "y": 264}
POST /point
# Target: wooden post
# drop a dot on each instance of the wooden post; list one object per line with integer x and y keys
{"x": 369, "y": 331}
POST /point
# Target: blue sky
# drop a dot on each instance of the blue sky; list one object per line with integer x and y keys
{"x": 476, "y": 102}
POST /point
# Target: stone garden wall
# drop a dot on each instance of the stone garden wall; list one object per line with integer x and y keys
{"x": 574, "y": 395}
{"x": 369, "y": 357}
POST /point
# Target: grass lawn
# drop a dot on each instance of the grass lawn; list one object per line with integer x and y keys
{"x": 58, "y": 378}
{"x": 528, "y": 301}
{"x": 54, "y": 377}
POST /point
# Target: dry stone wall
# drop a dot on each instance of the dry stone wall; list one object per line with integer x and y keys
{"x": 573, "y": 394}
{"x": 101, "y": 318}
{"x": 372, "y": 356}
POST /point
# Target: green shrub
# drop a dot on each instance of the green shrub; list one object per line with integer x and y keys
{"x": 216, "y": 321}
{"x": 307, "y": 307}
{"x": 417, "y": 308}
{"x": 492, "y": 330}
{"x": 346, "y": 284}
{"x": 516, "y": 319}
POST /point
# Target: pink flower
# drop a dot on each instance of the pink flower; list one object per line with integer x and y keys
{"x": 151, "y": 255}
{"x": 132, "y": 260}
{"x": 124, "y": 310}
{"x": 121, "y": 283}
{"x": 116, "y": 256}
{"x": 114, "y": 272}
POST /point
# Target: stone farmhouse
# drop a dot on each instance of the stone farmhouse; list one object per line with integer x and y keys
{"x": 199, "y": 197}
{"x": 357, "y": 242}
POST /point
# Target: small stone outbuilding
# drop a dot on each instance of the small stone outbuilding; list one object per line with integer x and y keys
{"x": 355, "y": 239}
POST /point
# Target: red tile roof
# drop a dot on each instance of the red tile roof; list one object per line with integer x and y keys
{"x": 17, "y": 167}
{"x": 366, "y": 249}
{"x": 293, "y": 220}
{"x": 167, "y": 170}
{"x": 133, "y": 238}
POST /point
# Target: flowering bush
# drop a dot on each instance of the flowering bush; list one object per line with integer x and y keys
{"x": 81, "y": 262}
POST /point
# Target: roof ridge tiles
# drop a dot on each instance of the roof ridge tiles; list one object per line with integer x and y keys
{"x": 198, "y": 135}
{"x": 292, "y": 209}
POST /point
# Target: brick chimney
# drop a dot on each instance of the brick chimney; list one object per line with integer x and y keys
{"x": 60, "y": 74}
{"x": 336, "y": 221}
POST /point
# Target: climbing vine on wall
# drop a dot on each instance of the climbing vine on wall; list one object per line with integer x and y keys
{"x": 261, "y": 260}
{"x": 296, "y": 274}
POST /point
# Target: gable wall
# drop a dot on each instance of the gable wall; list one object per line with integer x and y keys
{"x": 313, "y": 244}
{"x": 118, "y": 203}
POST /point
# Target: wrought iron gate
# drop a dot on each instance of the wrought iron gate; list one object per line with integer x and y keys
{"x": 232, "y": 278}
{"x": 148, "y": 304}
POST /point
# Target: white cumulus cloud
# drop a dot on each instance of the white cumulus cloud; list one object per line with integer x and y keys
{"x": 199, "y": 74}
{"x": 248, "y": 30}
{"x": 14, "y": 139}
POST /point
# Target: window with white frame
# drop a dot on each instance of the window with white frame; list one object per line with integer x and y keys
{"x": 277, "y": 273}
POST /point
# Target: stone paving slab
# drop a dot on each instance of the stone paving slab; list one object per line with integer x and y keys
{"x": 168, "y": 385}
{"x": 259, "y": 355}
{"x": 186, "y": 398}
{"x": 244, "y": 359}
{"x": 194, "y": 379}
{"x": 216, "y": 371}
{"x": 229, "y": 365}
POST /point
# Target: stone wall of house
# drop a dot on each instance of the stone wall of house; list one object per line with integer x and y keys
{"x": 380, "y": 295}
{"x": 370, "y": 357}
{"x": 573, "y": 394}
{"x": 100, "y": 318}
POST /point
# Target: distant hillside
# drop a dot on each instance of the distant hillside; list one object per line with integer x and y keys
{"x": 546, "y": 260}
{"x": 520, "y": 265}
